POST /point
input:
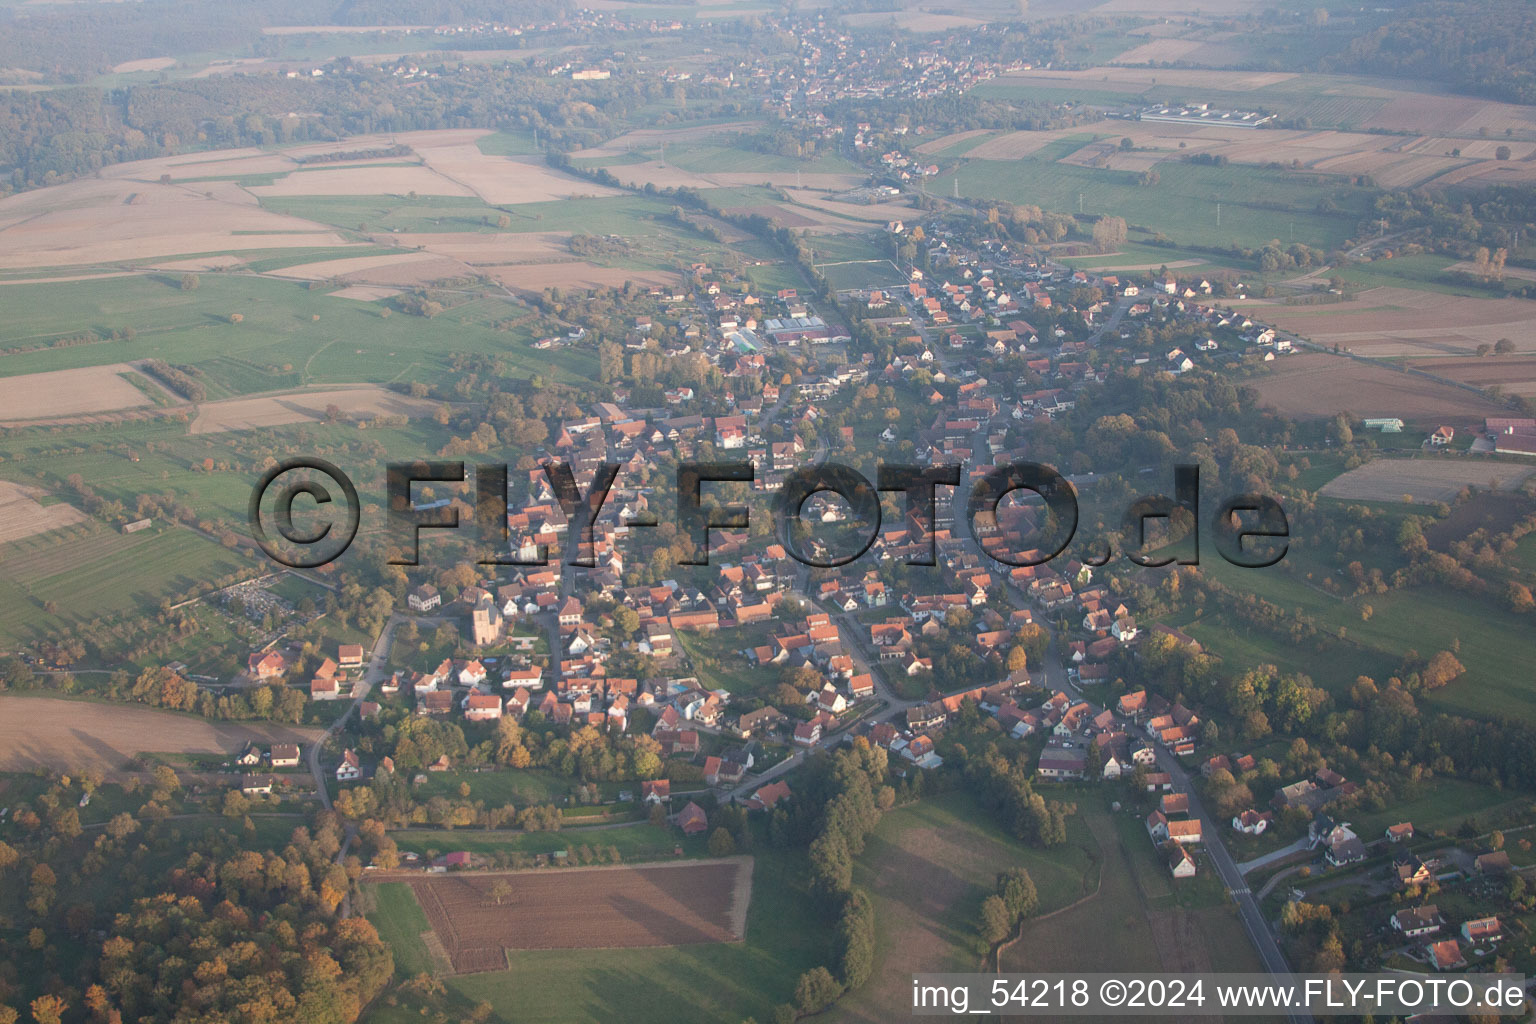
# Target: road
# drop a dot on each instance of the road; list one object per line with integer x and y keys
{"x": 1226, "y": 868}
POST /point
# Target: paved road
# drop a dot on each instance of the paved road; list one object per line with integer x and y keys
{"x": 1226, "y": 868}
{"x": 1275, "y": 855}
{"x": 378, "y": 668}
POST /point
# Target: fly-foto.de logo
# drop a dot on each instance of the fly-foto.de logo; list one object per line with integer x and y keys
{"x": 1249, "y": 530}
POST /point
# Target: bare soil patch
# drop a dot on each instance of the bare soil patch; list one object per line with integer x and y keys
{"x": 677, "y": 904}
{"x": 1316, "y": 385}
{"x": 21, "y": 515}
{"x": 304, "y": 406}
{"x": 410, "y": 268}
{"x": 1388, "y": 322}
{"x": 364, "y": 180}
{"x": 90, "y": 389}
{"x": 144, "y": 64}
{"x": 575, "y": 274}
{"x": 364, "y": 293}
{"x": 67, "y": 735}
{"x": 1493, "y": 511}
{"x": 1424, "y": 479}
{"x": 111, "y": 220}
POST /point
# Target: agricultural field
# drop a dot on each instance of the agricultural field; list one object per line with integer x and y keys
{"x": 596, "y": 908}
{"x": 70, "y": 735}
{"x": 1134, "y": 918}
{"x": 1425, "y": 480}
{"x": 696, "y": 984}
{"x": 288, "y": 336}
{"x": 1316, "y": 385}
{"x": 927, "y": 867}
{"x": 1183, "y": 204}
{"x": 1414, "y": 322}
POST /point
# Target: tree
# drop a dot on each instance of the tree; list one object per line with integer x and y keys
{"x": 1503, "y": 347}
{"x": 48, "y": 1009}
{"x": 501, "y": 891}
{"x": 1501, "y": 153}
{"x": 816, "y": 990}
{"x": 1109, "y": 232}
{"x": 1018, "y": 893}
{"x": 720, "y": 843}
{"x": 1018, "y": 660}
{"x": 995, "y": 922}
{"x": 189, "y": 282}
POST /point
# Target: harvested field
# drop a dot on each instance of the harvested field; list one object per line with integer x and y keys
{"x": 403, "y": 269}
{"x": 364, "y": 293}
{"x": 303, "y": 407}
{"x": 1316, "y": 385}
{"x": 112, "y": 220}
{"x": 68, "y": 735}
{"x": 674, "y": 904}
{"x": 363, "y": 179}
{"x": 1161, "y": 51}
{"x": 479, "y": 249}
{"x": 21, "y": 515}
{"x": 1516, "y": 375}
{"x": 1451, "y": 115}
{"x": 1388, "y": 322}
{"x": 913, "y": 21}
{"x": 1424, "y": 479}
{"x": 54, "y": 393}
{"x": 1138, "y": 80}
{"x": 145, "y": 64}
{"x": 943, "y": 142}
{"x": 576, "y": 274}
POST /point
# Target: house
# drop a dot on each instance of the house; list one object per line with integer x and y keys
{"x": 1174, "y": 803}
{"x": 250, "y": 757}
{"x": 285, "y": 755}
{"x": 655, "y": 792}
{"x": 1445, "y": 955}
{"x": 482, "y": 707}
{"x": 766, "y": 797}
{"x": 720, "y": 771}
{"x": 808, "y": 734}
{"x": 1496, "y": 863}
{"x": 1343, "y": 847}
{"x": 1442, "y": 437}
{"x": 1185, "y": 831}
{"x": 1417, "y": 921}
{"x": 424, "y": 598}
{"x": 1410, "y": 870}
{"x": 692, "y": 819}
{"x": 1062, "y": 763}
{"x": 349, "y": 769}
{"x": 1252, "y": 822}
{"x": 256, "y": 785}
{"x": 1481, "y": 929}
{"x": 1180, "y": 863}
{"x": 1400, "y": 833}
{"x": 350, "y": 655}
{"x": 831, "y": 701}
{"x": 267, "y": 666}
{"x": 761, "y": 720}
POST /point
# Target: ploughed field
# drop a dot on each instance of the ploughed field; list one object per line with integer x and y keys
{"x": 676, "y": 904}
